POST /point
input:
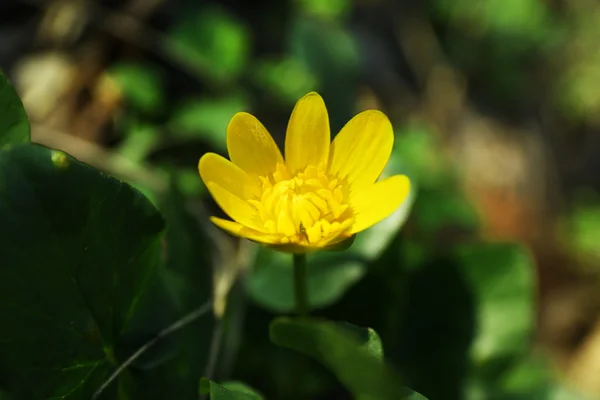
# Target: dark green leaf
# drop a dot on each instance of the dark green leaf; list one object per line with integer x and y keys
{"x": 228, "y": 390}
{"x": 79, "y": 250}
{"x": 354, "y": 360}
{"x": 438, "y": 209}
{"x": 331, "y": 54}
{"x": 14, "y": 126}
{"x": 189, "y": 250}
{"x": 470, "y": 310}
{"x": 171, "y": 370}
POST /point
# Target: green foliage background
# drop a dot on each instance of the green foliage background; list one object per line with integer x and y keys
{"x": 95, "y": 263}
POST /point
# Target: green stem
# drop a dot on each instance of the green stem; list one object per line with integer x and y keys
{"x": 300, "y": 285}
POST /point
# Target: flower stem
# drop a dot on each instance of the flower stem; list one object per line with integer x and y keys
{"x": 300, "y": 285}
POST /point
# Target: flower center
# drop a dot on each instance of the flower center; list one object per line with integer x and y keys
{"x": 306, "y": 208}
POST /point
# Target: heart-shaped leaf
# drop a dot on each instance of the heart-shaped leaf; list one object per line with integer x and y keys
{"x": 79, "y": 251}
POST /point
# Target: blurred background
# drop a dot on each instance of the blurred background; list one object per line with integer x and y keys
{"x": 491, "y": 288}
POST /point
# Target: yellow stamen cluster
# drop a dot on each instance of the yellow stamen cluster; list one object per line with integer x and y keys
{"x": 306, "y": 208}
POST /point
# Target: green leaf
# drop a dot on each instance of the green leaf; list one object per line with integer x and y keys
{"x": 331, "y": 54}
{"x": 501, "y": 278}
{"x": 582, "y": 232}
{"x": 141, "y": 139}
{"x": 328, "y": 277}
{"x": 287, "y": 79}
{"x": 330, "y": 274}
{"x": 469, "y": 311}
{"x": 14, "y": 126}
{"x": 438, "y": 209}
{"x": 171, "y": 368}
{"x": 419, "y": 154}
{"x": 213, "y": 40}
{"x": 330, "y": 9}
{"x": 354, "y": 359}
{"x": 527, "y": 20}
{"x": 228, "y": 390}
{"x": 369, "y": 340}
{"x": 412, "y": 395}
{"x": 140, "y": 85}
{"x": 189, "y": 251}
{"x": 79, "y": 251}
{"x": 206, "y": 118}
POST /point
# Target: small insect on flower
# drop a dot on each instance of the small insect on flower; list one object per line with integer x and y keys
{"x": 320, "y": 194}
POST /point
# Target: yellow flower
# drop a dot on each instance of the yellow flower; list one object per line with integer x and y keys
{"x": 321, "y": 194}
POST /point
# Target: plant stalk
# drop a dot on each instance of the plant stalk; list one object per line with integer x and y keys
{"x": 300, "y": 285}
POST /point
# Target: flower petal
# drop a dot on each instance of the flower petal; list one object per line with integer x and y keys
{"x": 238, "y": 209}
{"x": 361, "y": 150}
{"x": 240, "y": 230}
{"x": 378, "y": 201}
{"x": 217, "y": 169}
{"x": 251, "y": 147}
{"x": 307, "y": 137}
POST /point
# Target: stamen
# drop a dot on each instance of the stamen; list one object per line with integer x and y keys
{"x": 306, "y": 208}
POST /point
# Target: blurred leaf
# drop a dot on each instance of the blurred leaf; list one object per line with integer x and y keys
{"x": 140, "y": 85}
{"x": 206, "y": 118}
{"x": 188, "y": 182}
{"x": 501, "y": 278}
{"x": 287, "y": 79}
{"x": 14, "y": 126}
{"x": 141, "y": 139}
{"x": 79, "y": 251}
{"x": 531, "y": 378}
{"x": 528, "y": 20}
{"x": 437, "y": 209}
{"x": 576, "y": 90}
{"x": 560, "y": 392}
{"x": 213, "y": 40}
{"x": 418, "y": 154}
{"x": 471, "y": 311}
{"x": 331, "y": 54}
{"x": 228, "y": 390}
{"x": 355, "y": 364}
{"x": 332, "y": 9}
{"x": 330, "y": 274}
{"x": 582, "y": 232}
{"x": 580, "y": 55}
